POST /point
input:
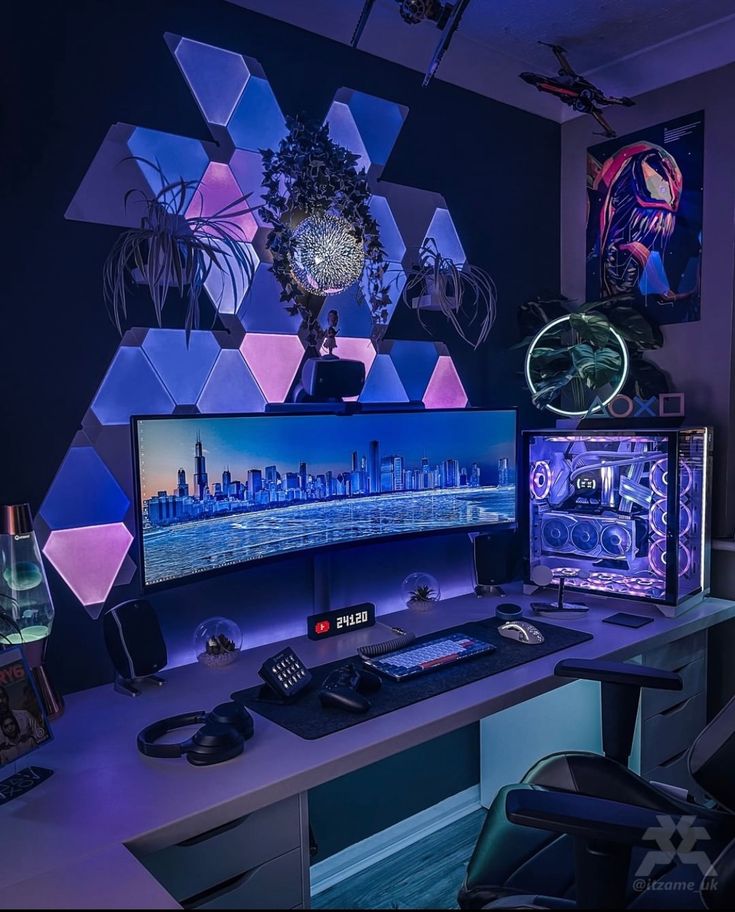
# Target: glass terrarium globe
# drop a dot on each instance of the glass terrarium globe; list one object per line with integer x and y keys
{"x": 26, "y": 609}
{"x": 420, "y": 590}
{"x": 327, "y": 255}
{"x": 217, "y": 642}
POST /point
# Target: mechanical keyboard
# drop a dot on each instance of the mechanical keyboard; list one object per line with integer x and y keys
{"x": 438, "y": 653}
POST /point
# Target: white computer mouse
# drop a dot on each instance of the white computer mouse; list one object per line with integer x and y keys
{"x": 521, "y": 632}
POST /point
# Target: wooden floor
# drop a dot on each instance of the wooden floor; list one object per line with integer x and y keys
{"x": 426, "y": 875}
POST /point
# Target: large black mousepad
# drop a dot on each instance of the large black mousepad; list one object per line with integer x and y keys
{"x": 308, "y": 719}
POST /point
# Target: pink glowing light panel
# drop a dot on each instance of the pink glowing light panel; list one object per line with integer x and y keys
{"x": 89, "y": 558}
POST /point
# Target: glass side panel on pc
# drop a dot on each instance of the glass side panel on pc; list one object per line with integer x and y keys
{"x": 222, "y": 491}
{"x": 621, "y": 513}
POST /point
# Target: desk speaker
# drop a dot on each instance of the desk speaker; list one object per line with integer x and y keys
{"x": 496, "y": 559}
{"x": 134, "y": 640}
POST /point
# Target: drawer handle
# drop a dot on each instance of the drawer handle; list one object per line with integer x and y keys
{"x": 672, "y": 760}
{"x": 222, "y": 889}
{"x": 216, "y": 831}
{"x": 675, "y": 708}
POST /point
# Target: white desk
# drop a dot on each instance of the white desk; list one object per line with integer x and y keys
{"x": 104, "y": 795}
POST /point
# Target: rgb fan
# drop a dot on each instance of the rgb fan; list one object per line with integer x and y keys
{"x": 616, "y": 540}
{"x": 540, "y": 480}
{"x": 659, "y": 477}
{"x": 658, "y": 518}
{"x": 585, "y": 536}
{"x": 657, "y": 558}
{"x": 555, "y": 533}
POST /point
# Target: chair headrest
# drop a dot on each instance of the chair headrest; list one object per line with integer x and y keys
{"x": 712, "y": 757}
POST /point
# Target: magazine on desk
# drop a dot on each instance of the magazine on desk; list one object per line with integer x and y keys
{"x": 23, "y": 723}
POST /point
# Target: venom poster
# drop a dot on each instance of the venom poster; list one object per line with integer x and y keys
{"x": 644, "y": 222}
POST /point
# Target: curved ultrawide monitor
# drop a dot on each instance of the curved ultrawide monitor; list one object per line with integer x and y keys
{"x": 217, "y": 492}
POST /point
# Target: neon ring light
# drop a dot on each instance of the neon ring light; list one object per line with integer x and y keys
{"x": 568, "y": 413}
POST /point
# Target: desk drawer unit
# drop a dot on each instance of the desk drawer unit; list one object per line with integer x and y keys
{"x": 238, "y": 865}
{"x": 273, "y": 885}
{"x": 671, "y": 720}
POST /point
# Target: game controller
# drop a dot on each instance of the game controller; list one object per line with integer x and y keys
{"x": 345, "y": 688}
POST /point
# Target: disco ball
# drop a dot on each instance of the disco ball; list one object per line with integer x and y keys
{"x": 327, "y": 256}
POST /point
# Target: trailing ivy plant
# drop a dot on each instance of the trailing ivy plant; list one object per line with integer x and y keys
{"x": 587, "y": 357}
{"x": 175, "y": 250}
{"x": 309, "y": 174}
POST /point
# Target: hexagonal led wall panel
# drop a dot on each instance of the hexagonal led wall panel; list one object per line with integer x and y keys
{"x": 176, "y": 157}
{"x": 231, "y": 386}
{"x": 262, "y": 309}
{"x": 383, "y": 383}
{"x": 343, "y": 130}
{"x": 88, "y": 559}
{"x": 442, "y": 230}
{"x": 182, "y": 364}
{"x": 415, "y": 363}
{"x": 215, "y": 76}
{"x": 445, "y": 389}
{"x": 257, "y": 122}
{"x": 84, "y": 493}
{"x": 273, "y": 360}
{"x": 131, "y": 387}
{"x": 217, "y": 191}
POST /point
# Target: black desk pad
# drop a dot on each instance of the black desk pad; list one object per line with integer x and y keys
{"x": 308, "y": 719}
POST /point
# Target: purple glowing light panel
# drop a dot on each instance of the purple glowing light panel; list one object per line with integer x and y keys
{"x": 621, "y": 513}
{"x": 217, "y": 492}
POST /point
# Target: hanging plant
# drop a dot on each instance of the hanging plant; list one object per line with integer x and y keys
{"x": 578, "y": 353}
{"x": 323, "y": 237}
{"x": 465, "y": 294}
{"x": 173, "y": 250}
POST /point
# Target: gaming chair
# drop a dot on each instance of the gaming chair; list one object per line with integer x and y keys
{"x": 580, "y": 830}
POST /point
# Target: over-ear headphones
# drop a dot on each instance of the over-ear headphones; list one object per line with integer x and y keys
{"x": 222, "y": 736}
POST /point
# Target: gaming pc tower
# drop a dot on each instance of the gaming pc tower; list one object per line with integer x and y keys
{"x": 622, "y": 513}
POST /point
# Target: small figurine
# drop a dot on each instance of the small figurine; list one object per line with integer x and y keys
{"x": 330, "y": 338}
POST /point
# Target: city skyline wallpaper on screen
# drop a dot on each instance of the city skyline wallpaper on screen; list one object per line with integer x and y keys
{"x": 221, "y": 491}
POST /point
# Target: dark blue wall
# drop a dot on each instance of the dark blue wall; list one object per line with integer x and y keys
{"x": 79, "y": 66}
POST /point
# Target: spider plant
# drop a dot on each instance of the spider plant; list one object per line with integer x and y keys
{"x": 176, "y": 247}
{"x": 465, "y": 294}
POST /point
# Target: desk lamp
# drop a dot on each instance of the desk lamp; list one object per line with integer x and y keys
{"x": 26, "y": 609}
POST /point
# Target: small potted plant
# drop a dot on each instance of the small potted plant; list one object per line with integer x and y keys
{"x": 175, "y": 249}
{"x": 420, "y": 590}
{"x": 464, "y": 294}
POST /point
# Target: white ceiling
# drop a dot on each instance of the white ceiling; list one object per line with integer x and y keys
{"x": 627, "y": 46}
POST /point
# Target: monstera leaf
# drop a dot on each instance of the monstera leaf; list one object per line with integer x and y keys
{"x": 534, "y": 315}
{"x": 548, "y": 390}
{"x": 592, "y": 328}
{"x": 549, "y": 360}
{"x": 637, "y": 331}
{"x": 596, "y": 366}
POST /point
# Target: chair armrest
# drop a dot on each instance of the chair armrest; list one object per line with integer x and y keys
{"x": 596, "y": 819}
{"x": 618, "y": 673}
